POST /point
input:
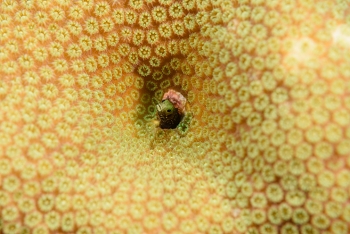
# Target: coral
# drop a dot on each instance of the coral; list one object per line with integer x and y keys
{"x": 263, "y": 146}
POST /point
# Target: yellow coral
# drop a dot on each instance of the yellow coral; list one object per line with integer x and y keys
{"x": 266, "y": 149}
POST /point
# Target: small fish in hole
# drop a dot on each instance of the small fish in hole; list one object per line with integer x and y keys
{"x": 171, "y": 110}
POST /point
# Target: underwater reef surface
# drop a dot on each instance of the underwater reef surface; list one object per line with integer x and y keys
{"x": 263, "y": 145}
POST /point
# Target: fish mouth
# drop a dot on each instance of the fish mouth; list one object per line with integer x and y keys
{"x": 159, "y": 107}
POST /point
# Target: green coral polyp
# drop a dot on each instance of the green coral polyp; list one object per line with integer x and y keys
{"x": 184, "y": 125}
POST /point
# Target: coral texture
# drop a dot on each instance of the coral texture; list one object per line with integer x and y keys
{"x": 267, "y": 149}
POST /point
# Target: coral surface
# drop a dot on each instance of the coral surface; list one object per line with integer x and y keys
{"x": 268, "y": 147}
